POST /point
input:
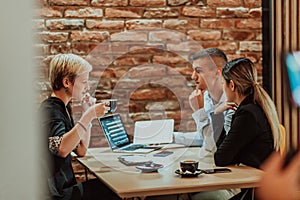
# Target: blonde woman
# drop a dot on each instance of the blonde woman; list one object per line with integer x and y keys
{"x": 255, "y": 131}
{"x": 69, "y": 75}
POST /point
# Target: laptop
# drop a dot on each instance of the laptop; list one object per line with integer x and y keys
{"x": 117, "y": 136}
{"x": 154, "y": 132}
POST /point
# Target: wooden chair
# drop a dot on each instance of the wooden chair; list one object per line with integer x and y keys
{"x": 282, "y": 148}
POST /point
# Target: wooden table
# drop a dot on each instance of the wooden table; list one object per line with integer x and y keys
{"x": 127, "y": 181}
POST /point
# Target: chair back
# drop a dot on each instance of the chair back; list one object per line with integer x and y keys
{"x": 282, "y": 148}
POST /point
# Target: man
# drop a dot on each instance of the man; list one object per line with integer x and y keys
{"x": 208, "y": 98}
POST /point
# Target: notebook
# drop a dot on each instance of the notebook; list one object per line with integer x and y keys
{"x": 154, "y": 131}
{"x": 117, "y": 136}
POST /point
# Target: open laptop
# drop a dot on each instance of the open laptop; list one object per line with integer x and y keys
{"x": 117, "y": 136}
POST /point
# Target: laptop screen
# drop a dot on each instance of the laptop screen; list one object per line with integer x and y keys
{"x": 114, "y": 130}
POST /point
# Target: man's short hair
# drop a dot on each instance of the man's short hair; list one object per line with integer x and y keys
{"x": 208, "y": 52}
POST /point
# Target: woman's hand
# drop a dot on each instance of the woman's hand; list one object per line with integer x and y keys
{"x": 196, "y": 99}
{"x": 225, "y": 106}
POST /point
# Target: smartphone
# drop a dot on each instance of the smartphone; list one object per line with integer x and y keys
{"x": 215, "y": 170}
{"x": 163, "y": 153}
{"x": 292, "y": 69}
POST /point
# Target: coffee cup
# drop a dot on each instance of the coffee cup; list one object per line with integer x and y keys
{"x": 112, "y": 103}
{"x": 189, "y": 165}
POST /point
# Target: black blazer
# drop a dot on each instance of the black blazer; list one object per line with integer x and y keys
{"x": 249, "y": 140}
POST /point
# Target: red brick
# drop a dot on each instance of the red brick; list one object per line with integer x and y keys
{"x": 146, "y": 3}
{"x": 223, "y": 45}
{"x": 152, "y": 49}
{"x": 188, "y": 47}
{"x": 105, "y": 25}
{"x": 84, "y": 12}
{"x": 163, "y": 105}
{"x": 227, "y": 3}
{"x": 168, "y": 59}
{"x": 109, "y": 3}
{"x": 255, "y": 13}
{"x": 186, "y": 70}
{"x": 123, "y": 13}
{"x": 54, "y": 36}
{"x": 238, "y": 35}
{"x": 248, "y": 23}
{"x": 145, "y": 94}
{"x": 146, "y": 71}
{"x": 95, "y": 36}
{"x": 69, "y": 2}
{"x": 200, "y": 35}
{"x": 65, "y": 24}
{"x": 49, "y": 12}
{"x": 251, "y": 46}
{"x": 177, "y": 2}
{"x": 196, "y": 11}
{"x": 80, "y": 48}
{"x": 217, "y": 23}
{"x": 142, "y": 24}
{"x": 188, "y": 23}
{"x": 232, "y": 12}
{"x": 169, "y": 81}
{"x": 39, "y": 24}
{"x": 166, "y": 36}
{"x": 161, "y": 12}
{"x": 130, "y": 36}
{"x": 252, "y": 3}
{"x": 132, "y": 60}
{"x": 59, "y": 48}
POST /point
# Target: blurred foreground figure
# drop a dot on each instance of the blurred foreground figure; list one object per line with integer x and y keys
{"x": 278, "y": 183}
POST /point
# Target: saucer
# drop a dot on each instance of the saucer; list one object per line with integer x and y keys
{"x": 149, "y": 167}
{"x": 187, "y": 173}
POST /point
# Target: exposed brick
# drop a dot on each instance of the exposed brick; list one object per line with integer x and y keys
{"x": 145, "y": 94}
{"x": 259, "y": 36}
{"x": 168, "y": 81}
{"x": 252, "y": 3}
{"x": 196, "y": 11}
{"x": 239, "y": 12}
{"x": 223, "y": 45}
{"x": 105, "y": 25}
{"x": 65, "y": 24}
{"x": 69, "y": 2}
{"x": 95, "y": 36}
{"x": 238, "y": 35}
{"x": 249, "y": 23}
{"x": 251, "y": 46}
{"x": 168, "y": 59}
{"x": 132, "y": 60}
{"x": 109, "y": 3}
{"x": 54, "y": 36}
{"x": 81, "y": 48}
{"x": 161, "y": 12}
{"x": 216, "y": 23}
{"x": 60, "y": 48}
{"x": 142, "y": 24}
{"x": 146, "y": 3}
{"x": 49, "y": 12}
{"x": 166, "y": 36}
{"x": 130, "y": 36}
{"x": 204, "y": 35}
{"x": 181, "y": 24}
{"x": 84, "y": 12}
{"x": 177, "y": 2}
{"x": 165, "y": 105}
{"x": 39, "y": 24}
{"x": 128, "y": 83}
{"x": 189, "y": 46}
{"x": 147, "y": 71}
{"x": 228, "y": 3}
{"x": 152, "y": 49}
{"x": 186, "y": 70}
{"x": 123, "y": 13}
{"x": 255, "y": 13}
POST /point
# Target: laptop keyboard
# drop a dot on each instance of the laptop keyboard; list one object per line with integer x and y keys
{"x": 133, "y": 147}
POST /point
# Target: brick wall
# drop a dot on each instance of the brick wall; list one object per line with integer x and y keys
{"x": 139, "y": 49}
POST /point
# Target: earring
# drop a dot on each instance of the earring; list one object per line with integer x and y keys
{"x": 66, "y": 89}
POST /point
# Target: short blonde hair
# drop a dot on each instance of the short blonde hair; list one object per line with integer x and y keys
{"x": 66, "y": 66}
